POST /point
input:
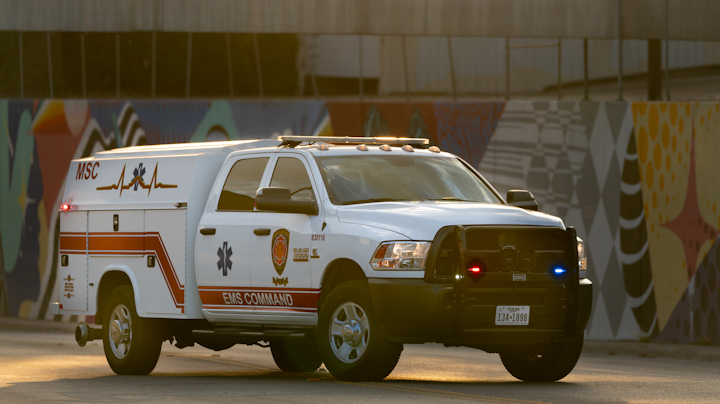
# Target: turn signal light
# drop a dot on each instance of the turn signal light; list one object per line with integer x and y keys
{"x": 381, "y": 251}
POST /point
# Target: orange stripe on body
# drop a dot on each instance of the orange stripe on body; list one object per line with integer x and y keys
{"x": 153, "y": 243}
{"x": 73, "y": 242}
{"x": 120, "y": 243}
{"x": 102, "y": 243}
{"x": 140, "y": 244}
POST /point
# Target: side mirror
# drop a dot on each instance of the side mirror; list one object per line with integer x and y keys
{"x": 277, "y": 199}
{"x": 522, "y": 199}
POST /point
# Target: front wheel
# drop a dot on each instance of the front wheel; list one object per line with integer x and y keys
{"x": 349, "y": 337}
{"x": 132, "y": 347}
{"x": 553, "y": 364}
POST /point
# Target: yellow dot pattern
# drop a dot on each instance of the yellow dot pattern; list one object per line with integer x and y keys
{"x": 707, "y": 161}
{"x": 663, "y": 132}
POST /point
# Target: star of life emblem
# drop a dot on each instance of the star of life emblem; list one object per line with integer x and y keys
{"x": 138, "y": 172}
{"x": 224, "y": 253}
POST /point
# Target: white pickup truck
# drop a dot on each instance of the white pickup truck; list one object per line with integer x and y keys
{"x": 329, "y": 250}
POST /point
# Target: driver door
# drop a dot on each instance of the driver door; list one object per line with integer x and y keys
{"x": 223, "y": 245}
{"x": 280, "y": 253}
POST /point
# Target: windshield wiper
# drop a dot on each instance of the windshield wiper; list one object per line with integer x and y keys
{"x": 450, "y": 198}
{"x": 373, "y": 200}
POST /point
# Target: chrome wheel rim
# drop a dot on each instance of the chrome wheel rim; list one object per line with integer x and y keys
{"x": 120, "y": 330}
{"x": 349, "y": 332}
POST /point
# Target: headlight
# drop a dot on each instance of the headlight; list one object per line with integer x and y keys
{"x": 403, "y": 256}
{"x": 582, "y": 258}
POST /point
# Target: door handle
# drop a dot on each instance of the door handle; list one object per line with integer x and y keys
{"x": 207, "y": 231}
{"x": 262, "y": 232}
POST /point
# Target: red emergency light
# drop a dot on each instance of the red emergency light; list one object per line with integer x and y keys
{"x": 475, "y": 269}
{"x": 66, "y": 208}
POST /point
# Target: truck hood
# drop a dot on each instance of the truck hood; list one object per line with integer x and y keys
{"x": 422, "y": 220}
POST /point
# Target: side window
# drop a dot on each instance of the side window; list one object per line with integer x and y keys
{"x": 290, "y": 173}
{"x": 242, "y": 183}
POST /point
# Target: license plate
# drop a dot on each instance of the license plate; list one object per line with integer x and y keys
{"x": 512, "y": 315}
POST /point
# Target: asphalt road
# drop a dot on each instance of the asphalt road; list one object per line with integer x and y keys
{"x": 37, "y": 367}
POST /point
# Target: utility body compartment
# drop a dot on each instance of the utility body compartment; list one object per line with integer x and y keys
{"x": 136, "y": 211}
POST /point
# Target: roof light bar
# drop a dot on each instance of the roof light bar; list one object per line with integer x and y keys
{"x": 397, "y": 141}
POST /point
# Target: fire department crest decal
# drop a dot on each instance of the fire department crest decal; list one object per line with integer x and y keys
{"x": 279, "y": 251}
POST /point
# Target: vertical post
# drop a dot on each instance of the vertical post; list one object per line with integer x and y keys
{"x": 586, "y": 78}
{"x": 654, "y": 70}
{"x": 152, "y": 89}
{"x": 229, "y": 61}
{"x": 22, "y": 83}
{"x": 257, "y": 66}
{"x": 49, "y": 55}
{"x": 667, "y": 50}
{"x": 117, "y": 65}
{"x": 314, "y": 84}
{"x": 559, "y": 74}
{"x": 189, "y": 59}
{"x": 360, "y": 64}
{"x": 82, "y": 60}
{"x": 620, "y": 52}
{"x": 405, "y": 71}
{"x": 452, "y": 68}
{"x": 507, "y": 68}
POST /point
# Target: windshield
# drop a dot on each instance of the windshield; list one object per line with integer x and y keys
{"x": 361, "y": 179}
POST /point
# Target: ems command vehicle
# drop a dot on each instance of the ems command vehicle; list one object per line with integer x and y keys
{"x": 327, "y": 250}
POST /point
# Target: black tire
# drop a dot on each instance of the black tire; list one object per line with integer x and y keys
{"x": 143, "y": 350}
{"x": 554, "y": 364}
{"x": 379, "y": 355}
{"x": 296, "y": 356}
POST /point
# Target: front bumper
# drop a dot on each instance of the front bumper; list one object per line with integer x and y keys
{"x": 416, "y": 311}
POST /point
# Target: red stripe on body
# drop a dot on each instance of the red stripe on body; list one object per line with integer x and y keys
{"x": 260, "y": 299}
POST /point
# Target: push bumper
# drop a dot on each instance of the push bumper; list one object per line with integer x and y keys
{"x": 416, "y": 311}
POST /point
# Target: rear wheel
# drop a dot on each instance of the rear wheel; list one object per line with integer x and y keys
{"x": 350, "y": 340}
{"x": 553, "y": 364}
{"x": 132, "y": 346}
{"x": 296, "y": 356}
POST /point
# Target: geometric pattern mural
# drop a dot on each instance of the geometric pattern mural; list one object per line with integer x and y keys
{"x": 639, "y": 181}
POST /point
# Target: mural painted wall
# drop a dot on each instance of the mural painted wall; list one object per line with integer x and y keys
{"x": 639, "y": 181}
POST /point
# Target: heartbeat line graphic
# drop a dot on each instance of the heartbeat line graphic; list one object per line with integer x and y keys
{"x": 137, "y": 180}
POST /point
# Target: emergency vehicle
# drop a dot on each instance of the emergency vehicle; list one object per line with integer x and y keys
{"x": 328, "y": 250}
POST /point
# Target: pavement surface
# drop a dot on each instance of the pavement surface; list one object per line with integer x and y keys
{"x": 36, "y": 365}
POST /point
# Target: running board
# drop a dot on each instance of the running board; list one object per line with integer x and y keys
{"x": 244, "y": 334}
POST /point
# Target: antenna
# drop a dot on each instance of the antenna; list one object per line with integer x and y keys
{"x": 306, "y": 116}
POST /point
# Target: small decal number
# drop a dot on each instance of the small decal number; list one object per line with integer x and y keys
{"x": 318, "y": 237}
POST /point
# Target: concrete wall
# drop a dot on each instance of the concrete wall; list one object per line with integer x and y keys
{"x": 639, "y": 181}
{"x": 642, "y": 19}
